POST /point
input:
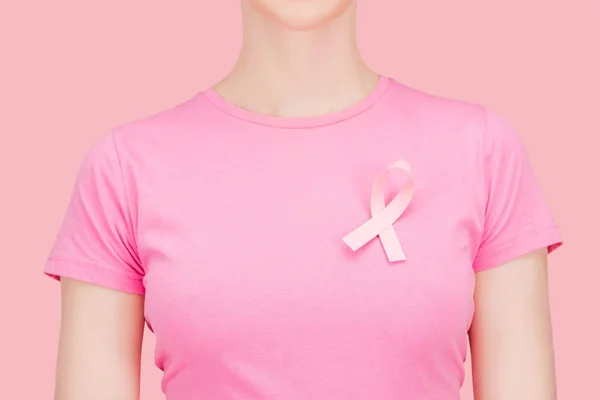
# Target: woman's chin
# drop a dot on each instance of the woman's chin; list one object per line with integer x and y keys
{"x": 301, "y": 15}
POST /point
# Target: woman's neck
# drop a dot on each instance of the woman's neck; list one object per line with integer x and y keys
{"x": 297, "y": 73}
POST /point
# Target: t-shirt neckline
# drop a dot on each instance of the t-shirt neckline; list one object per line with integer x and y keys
{"x": 299, "y": 122}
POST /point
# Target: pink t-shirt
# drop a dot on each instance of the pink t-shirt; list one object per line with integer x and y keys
{"x": 232, "y": 225}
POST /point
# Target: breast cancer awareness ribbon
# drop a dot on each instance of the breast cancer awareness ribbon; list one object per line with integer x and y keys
{"x": 383, "y": 216}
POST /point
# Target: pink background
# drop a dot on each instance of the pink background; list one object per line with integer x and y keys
{"x": 71, "y": 70}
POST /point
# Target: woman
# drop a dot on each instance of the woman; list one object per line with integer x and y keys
{"x": 247, "y": 228}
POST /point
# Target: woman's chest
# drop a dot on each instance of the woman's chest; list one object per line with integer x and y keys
{"x": 255, "y": 245}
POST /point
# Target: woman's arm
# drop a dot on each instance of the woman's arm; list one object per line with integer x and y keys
{"x": 511, "y": 335}
{"x": 100, "y": 343}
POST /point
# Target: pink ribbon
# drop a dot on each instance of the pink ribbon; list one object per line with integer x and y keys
{"x": 383, "y": 216}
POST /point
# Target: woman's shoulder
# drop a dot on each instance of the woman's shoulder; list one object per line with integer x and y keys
{"x": 159, "y": 124}
{"x": 448, "y": 115}
{"x": 423, "y": 103}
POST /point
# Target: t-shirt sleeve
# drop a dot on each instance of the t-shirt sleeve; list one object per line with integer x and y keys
{"x": 96, "y": 241}
{"x": 517, "y": 217}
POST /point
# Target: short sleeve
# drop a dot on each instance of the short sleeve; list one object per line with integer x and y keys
{"x": 95, "y": 243}
{"x": 517, "y": 217}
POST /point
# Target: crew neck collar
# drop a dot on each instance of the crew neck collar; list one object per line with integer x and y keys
{"x": 298, "y": 122}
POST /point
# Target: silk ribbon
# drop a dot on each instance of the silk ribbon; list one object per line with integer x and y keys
{"x": 384, "y": 216}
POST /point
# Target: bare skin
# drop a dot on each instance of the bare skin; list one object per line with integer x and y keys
{"x": 304, "y": 59}
{"x": 511, "y": 334}
{"x": 100, "y": 343}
